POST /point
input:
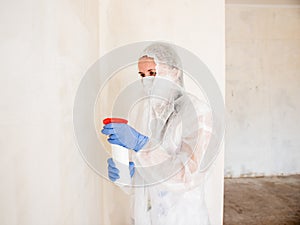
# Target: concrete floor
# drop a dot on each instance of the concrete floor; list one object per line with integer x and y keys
{"x": 262, "y": 201}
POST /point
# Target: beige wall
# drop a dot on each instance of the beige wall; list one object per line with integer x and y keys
{"x": 262, "y": 88}
{"x": 45, "y": 48}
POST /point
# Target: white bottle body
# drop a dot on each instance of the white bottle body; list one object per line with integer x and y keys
{"x": 121, "y": 159}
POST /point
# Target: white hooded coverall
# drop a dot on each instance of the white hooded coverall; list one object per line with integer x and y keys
{"x": 169, "y": 187}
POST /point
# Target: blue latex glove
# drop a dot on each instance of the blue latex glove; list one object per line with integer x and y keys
{"x": 113, "y": 172}
{"x": 124, "y": 135}
{"x": 131, "y": 168}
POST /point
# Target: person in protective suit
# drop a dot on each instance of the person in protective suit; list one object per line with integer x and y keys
{"x": 168, "y": 136}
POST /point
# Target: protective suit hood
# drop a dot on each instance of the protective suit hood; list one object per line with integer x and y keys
{"x": 168, "y": 63}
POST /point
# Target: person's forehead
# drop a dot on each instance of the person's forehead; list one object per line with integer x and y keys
{"x": 146, "y": 62}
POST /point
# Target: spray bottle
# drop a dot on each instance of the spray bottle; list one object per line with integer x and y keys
{"x": 120, "y": 155}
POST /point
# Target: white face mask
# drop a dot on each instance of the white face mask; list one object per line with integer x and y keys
{"x": 161, "y": 88}
{"x": 148, "y": 84}
{"x": 161, "y": 94}
{"x": 158, "y": 106}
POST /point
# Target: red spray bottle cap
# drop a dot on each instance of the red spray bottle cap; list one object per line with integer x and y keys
{"x": 114, "y": 120}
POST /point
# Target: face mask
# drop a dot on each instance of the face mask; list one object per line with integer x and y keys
{"x": 161, "y": 93}
{"x": 147, "y": 83}
{"x": 161, "y": 88}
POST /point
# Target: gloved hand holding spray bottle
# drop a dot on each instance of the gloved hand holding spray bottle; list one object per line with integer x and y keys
{"x": 122, "y": 137}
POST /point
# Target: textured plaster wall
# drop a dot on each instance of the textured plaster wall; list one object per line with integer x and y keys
{"x": 45, "y": 47}
{"x": 262, "y": 89}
